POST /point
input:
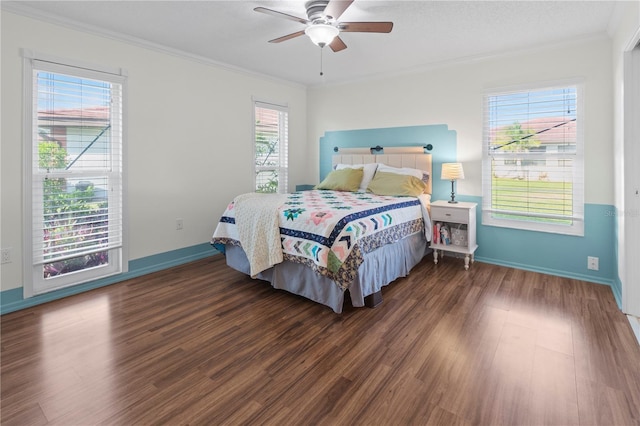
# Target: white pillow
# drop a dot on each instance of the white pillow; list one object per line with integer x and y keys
{"x": 403, "y": 171}
{"x": 368, "y": 171}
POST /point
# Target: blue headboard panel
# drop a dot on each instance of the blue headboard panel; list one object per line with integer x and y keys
{"x": 438, "y": 135}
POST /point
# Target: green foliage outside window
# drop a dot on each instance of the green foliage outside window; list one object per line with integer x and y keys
{"x": 266, "y": 146}
{"x": 72, "y": 219}
{"x": 513, "y": 139}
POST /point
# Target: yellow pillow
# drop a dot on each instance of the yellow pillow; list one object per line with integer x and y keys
{"x": 342, "y": 180}
{"x": 384, "y": 183}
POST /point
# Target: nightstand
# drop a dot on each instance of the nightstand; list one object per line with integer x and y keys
{"x": 454, "y": 226}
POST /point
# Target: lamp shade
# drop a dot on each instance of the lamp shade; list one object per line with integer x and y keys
{"x": 452, "y": 171}
{"x": 321, "y": 34}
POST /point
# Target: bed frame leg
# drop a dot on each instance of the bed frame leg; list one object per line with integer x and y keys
{"x": 373, "y": 300}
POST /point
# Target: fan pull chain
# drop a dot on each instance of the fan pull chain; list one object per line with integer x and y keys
{"x": 321, "y": 73}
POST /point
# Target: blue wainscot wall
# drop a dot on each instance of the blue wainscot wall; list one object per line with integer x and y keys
{"x": 12, "y": 300}
{"x": 555, "y": 254}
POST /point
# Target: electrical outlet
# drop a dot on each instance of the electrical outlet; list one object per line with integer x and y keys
{"x": 6, "y": 255}
{"x": 179, "y": 224}
{"x": 592, "y": 263}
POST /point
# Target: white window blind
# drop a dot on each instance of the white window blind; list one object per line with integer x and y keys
{"x": 76, "y": 174}
{"x": 533, "y": 159}
{"x": 271, "y": 139}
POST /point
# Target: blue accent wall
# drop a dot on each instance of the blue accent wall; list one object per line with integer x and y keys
{"x": 555, "y": 254}
{"x": 438, "y": 135}
{"x": 12, "y": 300}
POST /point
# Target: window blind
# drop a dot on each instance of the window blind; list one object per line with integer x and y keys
{"x": 76, "y": 164}
{"x": 271, "y": 139}
{"x": 533, "y": 159}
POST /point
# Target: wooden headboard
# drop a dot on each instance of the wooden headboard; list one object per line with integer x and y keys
{"x": 395, "y": 158}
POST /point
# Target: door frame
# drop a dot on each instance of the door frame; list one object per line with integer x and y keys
{"x": 631, "y": 178}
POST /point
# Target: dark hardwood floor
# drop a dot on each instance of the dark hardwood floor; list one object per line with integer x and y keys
{"x": 203, "y": 344}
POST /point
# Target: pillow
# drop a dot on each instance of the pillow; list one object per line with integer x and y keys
{"x": 400, "y": 171}
{"x": 420, "y": 174}
{"x": 385, "y": 183}
{"x": 368, "y": 169}
{"x": 342, "y": 180}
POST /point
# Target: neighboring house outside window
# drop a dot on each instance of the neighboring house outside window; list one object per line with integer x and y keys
{"x": 271, "y": 139}
{"x": 74, "y": 175}
{"x": 533, "y": 161}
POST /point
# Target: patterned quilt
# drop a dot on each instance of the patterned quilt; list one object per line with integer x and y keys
{"x": 330, "y": 231}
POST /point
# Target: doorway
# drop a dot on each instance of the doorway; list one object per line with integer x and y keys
{"x": 631, "y": 211}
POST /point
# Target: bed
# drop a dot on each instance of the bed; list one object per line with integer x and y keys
{"x": 365, "y": 225}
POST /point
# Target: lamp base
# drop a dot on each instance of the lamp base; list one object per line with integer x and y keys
{"x": 453, "y": 194}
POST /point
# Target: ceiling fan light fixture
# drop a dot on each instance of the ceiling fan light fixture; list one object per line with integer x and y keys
{"x": 321, "y": 34}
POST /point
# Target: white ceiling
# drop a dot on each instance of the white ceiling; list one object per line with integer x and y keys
{"x": 425, "y": 33}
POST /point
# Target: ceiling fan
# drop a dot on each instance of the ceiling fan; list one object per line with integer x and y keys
{"x": 323, "y": 25}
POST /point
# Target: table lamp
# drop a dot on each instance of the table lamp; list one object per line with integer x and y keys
{"x": 452, "y": 172}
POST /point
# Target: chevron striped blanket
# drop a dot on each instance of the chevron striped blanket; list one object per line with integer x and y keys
{"x": 330, "y": 231}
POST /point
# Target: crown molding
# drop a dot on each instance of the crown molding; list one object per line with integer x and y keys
{"x": 32, "y": 13}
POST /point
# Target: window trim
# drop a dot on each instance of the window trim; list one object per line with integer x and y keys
{"x": 121, "y": 255}
{"x": 576, "y": 228}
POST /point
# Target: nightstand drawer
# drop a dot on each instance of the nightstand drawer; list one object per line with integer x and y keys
{"x": 449, "y": 214}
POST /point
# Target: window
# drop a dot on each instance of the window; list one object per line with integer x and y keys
{"x": 533, "y": 159}
{"x": 271, "y": 139}
{"x": 74, "y": 174}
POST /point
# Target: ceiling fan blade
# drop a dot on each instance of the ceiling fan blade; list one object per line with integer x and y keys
{"x": 366, "y": 27}
{"x": 337, "y": 44}
{"x": 281, "y": 15}
{"x": 287, "y": 37}
{"x": 336, "y": 8}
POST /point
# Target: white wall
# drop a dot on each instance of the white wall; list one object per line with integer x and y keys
{"x": 452, "y": 95}
{"x": 189, "y": 136}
